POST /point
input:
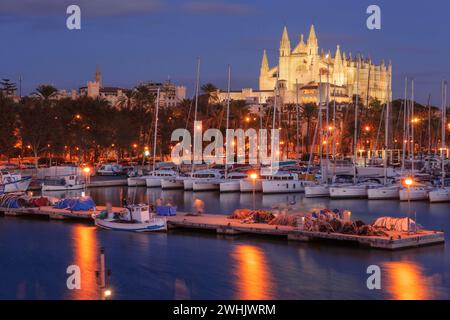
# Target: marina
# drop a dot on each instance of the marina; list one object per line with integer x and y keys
{"x": 223, "y": 225}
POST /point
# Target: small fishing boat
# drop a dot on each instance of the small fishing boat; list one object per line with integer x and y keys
{"x": 13, "y": 182}
{"x": 64, "y": 183}
{"x": 135, "y": 218}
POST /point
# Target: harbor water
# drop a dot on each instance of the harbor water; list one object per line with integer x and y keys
{"x": 36, "y": 253}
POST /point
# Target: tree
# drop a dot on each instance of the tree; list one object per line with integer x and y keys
{"x": 8, "y": 121}
{"x": 46, "y": 91}
{"x": 34, "y": 125}
{"x": 8, "y": 88}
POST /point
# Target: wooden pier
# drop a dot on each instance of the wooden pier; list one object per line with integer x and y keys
{"x": 220, "y": 224}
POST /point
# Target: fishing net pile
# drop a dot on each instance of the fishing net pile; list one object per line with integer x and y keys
{"x": 396, "y": 224}
{"x": 328, "y": 221}
{"x": 21, "y": 200}
{"x": 252, "y": 216}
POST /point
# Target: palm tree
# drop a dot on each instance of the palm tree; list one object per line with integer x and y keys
{"x": 309, "y": 112}
{"x": 46, "y": 91}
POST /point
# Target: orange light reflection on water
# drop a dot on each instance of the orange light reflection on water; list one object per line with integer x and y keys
{"x": 85, "y": 256}
{"x": 406, "y": 281}
{"x": 253, "y": 277}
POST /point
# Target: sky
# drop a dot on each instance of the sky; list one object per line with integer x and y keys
{"x": 143, "y": 40}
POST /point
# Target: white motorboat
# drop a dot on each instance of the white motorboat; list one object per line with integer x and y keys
{"x": 201, "y": 175}
{"x": 13, "y": 182}
{"x": 414, "y": 194}
{"x": 64, "y": 183}
{"x": 153, "y": 180}
{"x": 214, "y": 184}
{"x": 135, "y": 218}
{"x": 440, "y": 195}
{"x": 233, "y": 183}
{"x": 384, "y": 192}
{"x": 317, "y": 191}
{"x": 284, "y": 182}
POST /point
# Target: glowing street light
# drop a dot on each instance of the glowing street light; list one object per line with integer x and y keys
{"x": 367, "y": 128}
{"x": 409, "y": 182}
{"x": 107, "y": 293}
{"x": 254, "y": 176}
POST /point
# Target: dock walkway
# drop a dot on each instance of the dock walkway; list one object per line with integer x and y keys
{"x": 220, "y": 224}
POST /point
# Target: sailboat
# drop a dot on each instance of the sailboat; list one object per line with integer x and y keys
{"x": 321, "y": 189}
{"x": 386, "y": 191}
{"x": 442, "y": 194}
{"x": 416, "y": 192}
{"x": 356, "y": 190}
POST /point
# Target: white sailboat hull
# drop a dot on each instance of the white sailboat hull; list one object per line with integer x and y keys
{"x": 206, "y": 185}
{"x": 230, "y": 186}
{"x": 383, "y": 193}
{"x": 248, "y": 185}
{"x": 413, "y": 194}
{"x": 137, "y": 182}
{"x": 188, "y": 184}
{"x": 317, "y": 191}
{"x": 348, "y": 192}
{"x": 172, "y": 184}
{"x": 440, "y": 195}
{"x": 284, "y": 186}
{"x": 153, "y": 182}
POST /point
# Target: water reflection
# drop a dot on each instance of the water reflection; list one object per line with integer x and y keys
{"x": 85, "y": 256}
{"x": 253, "y": 276}
{"x": 406, "y": 281}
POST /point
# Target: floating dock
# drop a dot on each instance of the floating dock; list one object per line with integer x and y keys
{"x": 220, "y": 224}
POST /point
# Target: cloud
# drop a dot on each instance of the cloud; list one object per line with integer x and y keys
{"x": 217, "y": 8}
{"x": 88, "y": 7}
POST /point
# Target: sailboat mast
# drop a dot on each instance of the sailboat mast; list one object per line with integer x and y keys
{"x": 405, "y": 128}
{"x": 197, "y": 85}
{"x": 412, "y": 126}
{"x": 228, "y": 118}
{"x": 272, "y": 144}
{"x": 156, "y": 129}
{"x": 386, "y": 134}
{"x": 355, "y": 133}
{"x": 297, "y": 122}
{"x": 444, "y": 116}
{"x": 334, "y": 130}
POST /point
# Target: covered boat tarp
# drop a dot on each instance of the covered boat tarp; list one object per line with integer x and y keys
{"x": 166, "y": 210}
{"x": 76, "y": 204}
{"x": 396, "y": 224}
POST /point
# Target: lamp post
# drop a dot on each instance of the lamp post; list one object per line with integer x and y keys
{"x": 409, "y": 182}
{"x": 254, "y": 176}
{"x": 86, "y": 171}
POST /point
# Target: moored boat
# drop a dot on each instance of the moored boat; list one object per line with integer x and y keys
{"x": 64, "y": 183}
{"x": 135, "y": 218}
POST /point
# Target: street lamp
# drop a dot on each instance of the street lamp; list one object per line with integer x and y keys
{"x": 409, "y": 182}
{"x": 254, "y": 176}
{"x": 86, "y": 171}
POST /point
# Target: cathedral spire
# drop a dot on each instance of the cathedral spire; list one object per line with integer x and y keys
{"x": 98, "y": 75}
{"x": 265, "y": 62}
{"x": 312, "y": 35}
{"x": 337, "y": 56}
{"x": 285, "y": 44}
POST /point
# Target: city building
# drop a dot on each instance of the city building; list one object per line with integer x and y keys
{"x": 303, "y": 69}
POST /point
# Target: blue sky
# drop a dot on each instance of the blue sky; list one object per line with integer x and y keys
{"x": 140, "y": 40}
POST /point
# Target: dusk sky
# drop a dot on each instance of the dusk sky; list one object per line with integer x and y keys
{"x": 142, "y": 40}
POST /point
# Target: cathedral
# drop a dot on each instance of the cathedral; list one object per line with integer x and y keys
{"x": 308, "y": 75}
